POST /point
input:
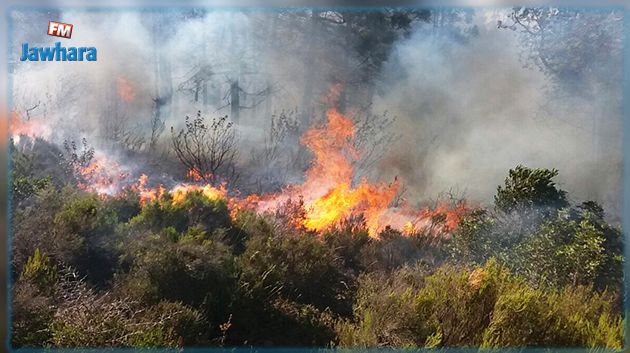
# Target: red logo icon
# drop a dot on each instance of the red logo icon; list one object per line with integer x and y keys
{"x": 58, "y": 29}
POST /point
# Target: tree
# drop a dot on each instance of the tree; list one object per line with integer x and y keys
{"x": 577, "y": 247}
{"x": 208, "y": 152}
{"x": 572, "y": 46}
{"x": 528, "y": 189}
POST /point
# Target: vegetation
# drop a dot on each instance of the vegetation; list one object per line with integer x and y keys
{"x": 143, "y": 267}
{"x": 531, "y": 271}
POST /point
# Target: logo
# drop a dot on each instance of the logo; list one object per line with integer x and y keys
{"x": 58, "y": 29}
{"x": 58, "y": 52}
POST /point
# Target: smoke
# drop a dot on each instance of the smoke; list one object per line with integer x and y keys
{"x": 467, "y": 109}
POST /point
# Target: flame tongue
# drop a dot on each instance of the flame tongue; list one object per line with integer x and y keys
{"x": 333, "y": 152}
{"x": 327, "y": 191}
{"x": 370, "y": 201}
{"x": 102, "y": 175}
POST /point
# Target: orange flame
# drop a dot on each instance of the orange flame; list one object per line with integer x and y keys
{"x": 195, "y": 175}
{"x": 327, "y": 192}
{"x": 180, "y": 191}
{"x": 327, "y": 195}
{"x": 101, "y": 175}
{"x": 145, "y": 193}
{"x": 126, "y": 90}
{"x": 440, "y": 220}
{"x": 34, "y": 127}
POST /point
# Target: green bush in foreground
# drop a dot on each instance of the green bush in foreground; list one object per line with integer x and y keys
{"x": 485, "y": 306}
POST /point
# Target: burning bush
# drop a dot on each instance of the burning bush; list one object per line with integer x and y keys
{"x": 208, "y": 151}
{"x": 184, "y": 211}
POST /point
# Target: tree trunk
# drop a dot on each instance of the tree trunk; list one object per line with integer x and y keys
{"x": 309, "y": 76}
{"x": 235, "y": 103}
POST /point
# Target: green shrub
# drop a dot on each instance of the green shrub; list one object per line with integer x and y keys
{"x": 474, "y": 240}
{"x": 87, "y": 218}
{"x": 528, "y": 189}
{"x": 169, "y": 324}
{"x": 521, "y": 317}
{"x": 571, "y": 317}
{"x": 297, "y": 267}
{"x": 125, "y": 205}
{"x": 32, "y": 313}
{"x": 200, "y": 273}
{"x": 195, "y": 209}
{"x": 112, "y": 322}
{"x": 293, "y": 324}
{"x": 24, "y": 187}
{"x": 32, "y": 229}
{"x": 574, "y": 248}
{"x": 41, "y": 272}
{"x": 458, "y": 304}
{"x": 384, "y": 311}
{"x": 349, "y": 243}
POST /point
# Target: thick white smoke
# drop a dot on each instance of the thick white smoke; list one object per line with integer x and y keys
{"x": 470, "y": 111}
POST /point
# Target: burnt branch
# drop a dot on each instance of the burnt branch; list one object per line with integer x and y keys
{"x": 207, "y": 151}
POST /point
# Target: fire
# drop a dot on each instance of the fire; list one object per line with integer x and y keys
{"x": 102, "y": 175}
{"x": 34, "y": 127}
{"x": 126, "y": 90}
{"x": 409, "y": 228}
{"x": 450, "y": 215}
{"x": 342, "y": 202}
{"x": 147, "y": 194}
{"x": 195, "y": 175}
{"x": 328, "y": 194}
{"x": 440, "y": 220}
{"x": 327, "y": 197}
{"x": 180, "y": 191}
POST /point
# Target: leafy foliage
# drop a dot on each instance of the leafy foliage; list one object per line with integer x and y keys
{"x": 527, "y": 188}
{"x": 296, "y": 267}
{"x": 110, "y": 272}
{"x": 486, "y": 306}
